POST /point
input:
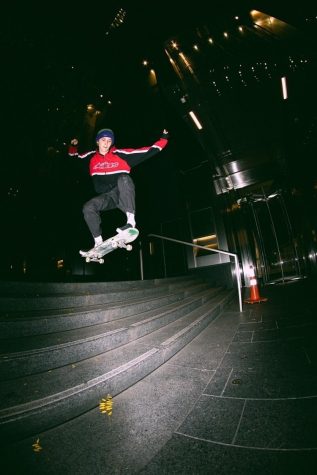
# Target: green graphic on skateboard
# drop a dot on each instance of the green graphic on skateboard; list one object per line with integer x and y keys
{"x": 121, "y": 240}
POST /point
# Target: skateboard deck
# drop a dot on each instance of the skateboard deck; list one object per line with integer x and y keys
{"x": 120, "y": 240}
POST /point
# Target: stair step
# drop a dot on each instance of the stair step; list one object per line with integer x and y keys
{"x": 22, "y": 356}
{"x": 64, "y": 346}
{"x": 34, "y": 403}
{"x": 83, "y": 296}
{"x": 19, "y": 288}
{"x": 60, "y": 319}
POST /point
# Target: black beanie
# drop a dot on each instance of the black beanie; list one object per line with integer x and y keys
{"x": 105, "y": 133}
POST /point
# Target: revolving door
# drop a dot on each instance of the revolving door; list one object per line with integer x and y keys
{"x": 277, "y": 250}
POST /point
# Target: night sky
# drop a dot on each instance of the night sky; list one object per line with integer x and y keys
{"x": 56, "y": 60}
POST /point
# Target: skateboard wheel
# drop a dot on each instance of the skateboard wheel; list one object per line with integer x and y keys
{"x": 87, "y": 259}
{"x": 129, "y": 247}
{"x": 101, "y": 261}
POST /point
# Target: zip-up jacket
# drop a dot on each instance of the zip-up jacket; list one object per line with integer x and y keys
{"x": 105, "y": 169}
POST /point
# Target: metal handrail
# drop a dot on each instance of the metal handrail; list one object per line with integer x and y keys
{"x": 235, "y": 256}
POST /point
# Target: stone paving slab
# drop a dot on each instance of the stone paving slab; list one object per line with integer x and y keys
{"x": 200, "y": 457}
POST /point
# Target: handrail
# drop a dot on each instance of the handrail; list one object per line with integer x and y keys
{"x": 235, "y": 256}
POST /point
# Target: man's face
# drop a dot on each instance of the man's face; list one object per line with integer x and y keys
{"x": 104, "y": 144}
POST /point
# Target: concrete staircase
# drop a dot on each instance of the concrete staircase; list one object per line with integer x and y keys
{"x": 65, "y": 346}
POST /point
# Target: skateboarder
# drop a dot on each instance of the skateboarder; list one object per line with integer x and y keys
{"x": 110, "y": 168}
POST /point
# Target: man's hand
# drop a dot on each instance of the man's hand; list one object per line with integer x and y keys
{"x": 165, "y": 134}
{"x": 74, "y": 142}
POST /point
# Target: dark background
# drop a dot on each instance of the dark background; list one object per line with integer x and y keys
{"x": 56, "y": 59}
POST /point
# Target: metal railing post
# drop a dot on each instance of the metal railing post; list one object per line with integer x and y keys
{"x": 236, "y": 261}
{"x": 141, "y": 261}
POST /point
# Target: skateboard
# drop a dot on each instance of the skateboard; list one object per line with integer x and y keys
{"x": 120, "y": 240}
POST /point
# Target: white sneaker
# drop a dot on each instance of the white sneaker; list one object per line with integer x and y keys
{"x": 88, "y": 251}
{"x": 124, "y": 228}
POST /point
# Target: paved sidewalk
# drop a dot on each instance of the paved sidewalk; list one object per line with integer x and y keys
{"x": 241, "y": 398}
{"x": 258, "y": 412}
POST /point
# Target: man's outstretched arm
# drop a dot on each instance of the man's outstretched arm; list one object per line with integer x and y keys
{"x": 135, "y": 156}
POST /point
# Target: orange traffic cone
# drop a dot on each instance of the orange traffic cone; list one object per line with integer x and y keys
{"x": 254, "y": 291}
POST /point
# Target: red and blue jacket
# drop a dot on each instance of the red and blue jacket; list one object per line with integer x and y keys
{"x": 105, "y": 169}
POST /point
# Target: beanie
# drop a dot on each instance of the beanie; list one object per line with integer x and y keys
{"x": 105, "y": 133}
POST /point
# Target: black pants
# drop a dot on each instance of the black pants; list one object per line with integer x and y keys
{"x": 122, "y": 196}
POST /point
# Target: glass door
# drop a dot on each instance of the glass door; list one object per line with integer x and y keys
{"x": 278, "y": 255}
